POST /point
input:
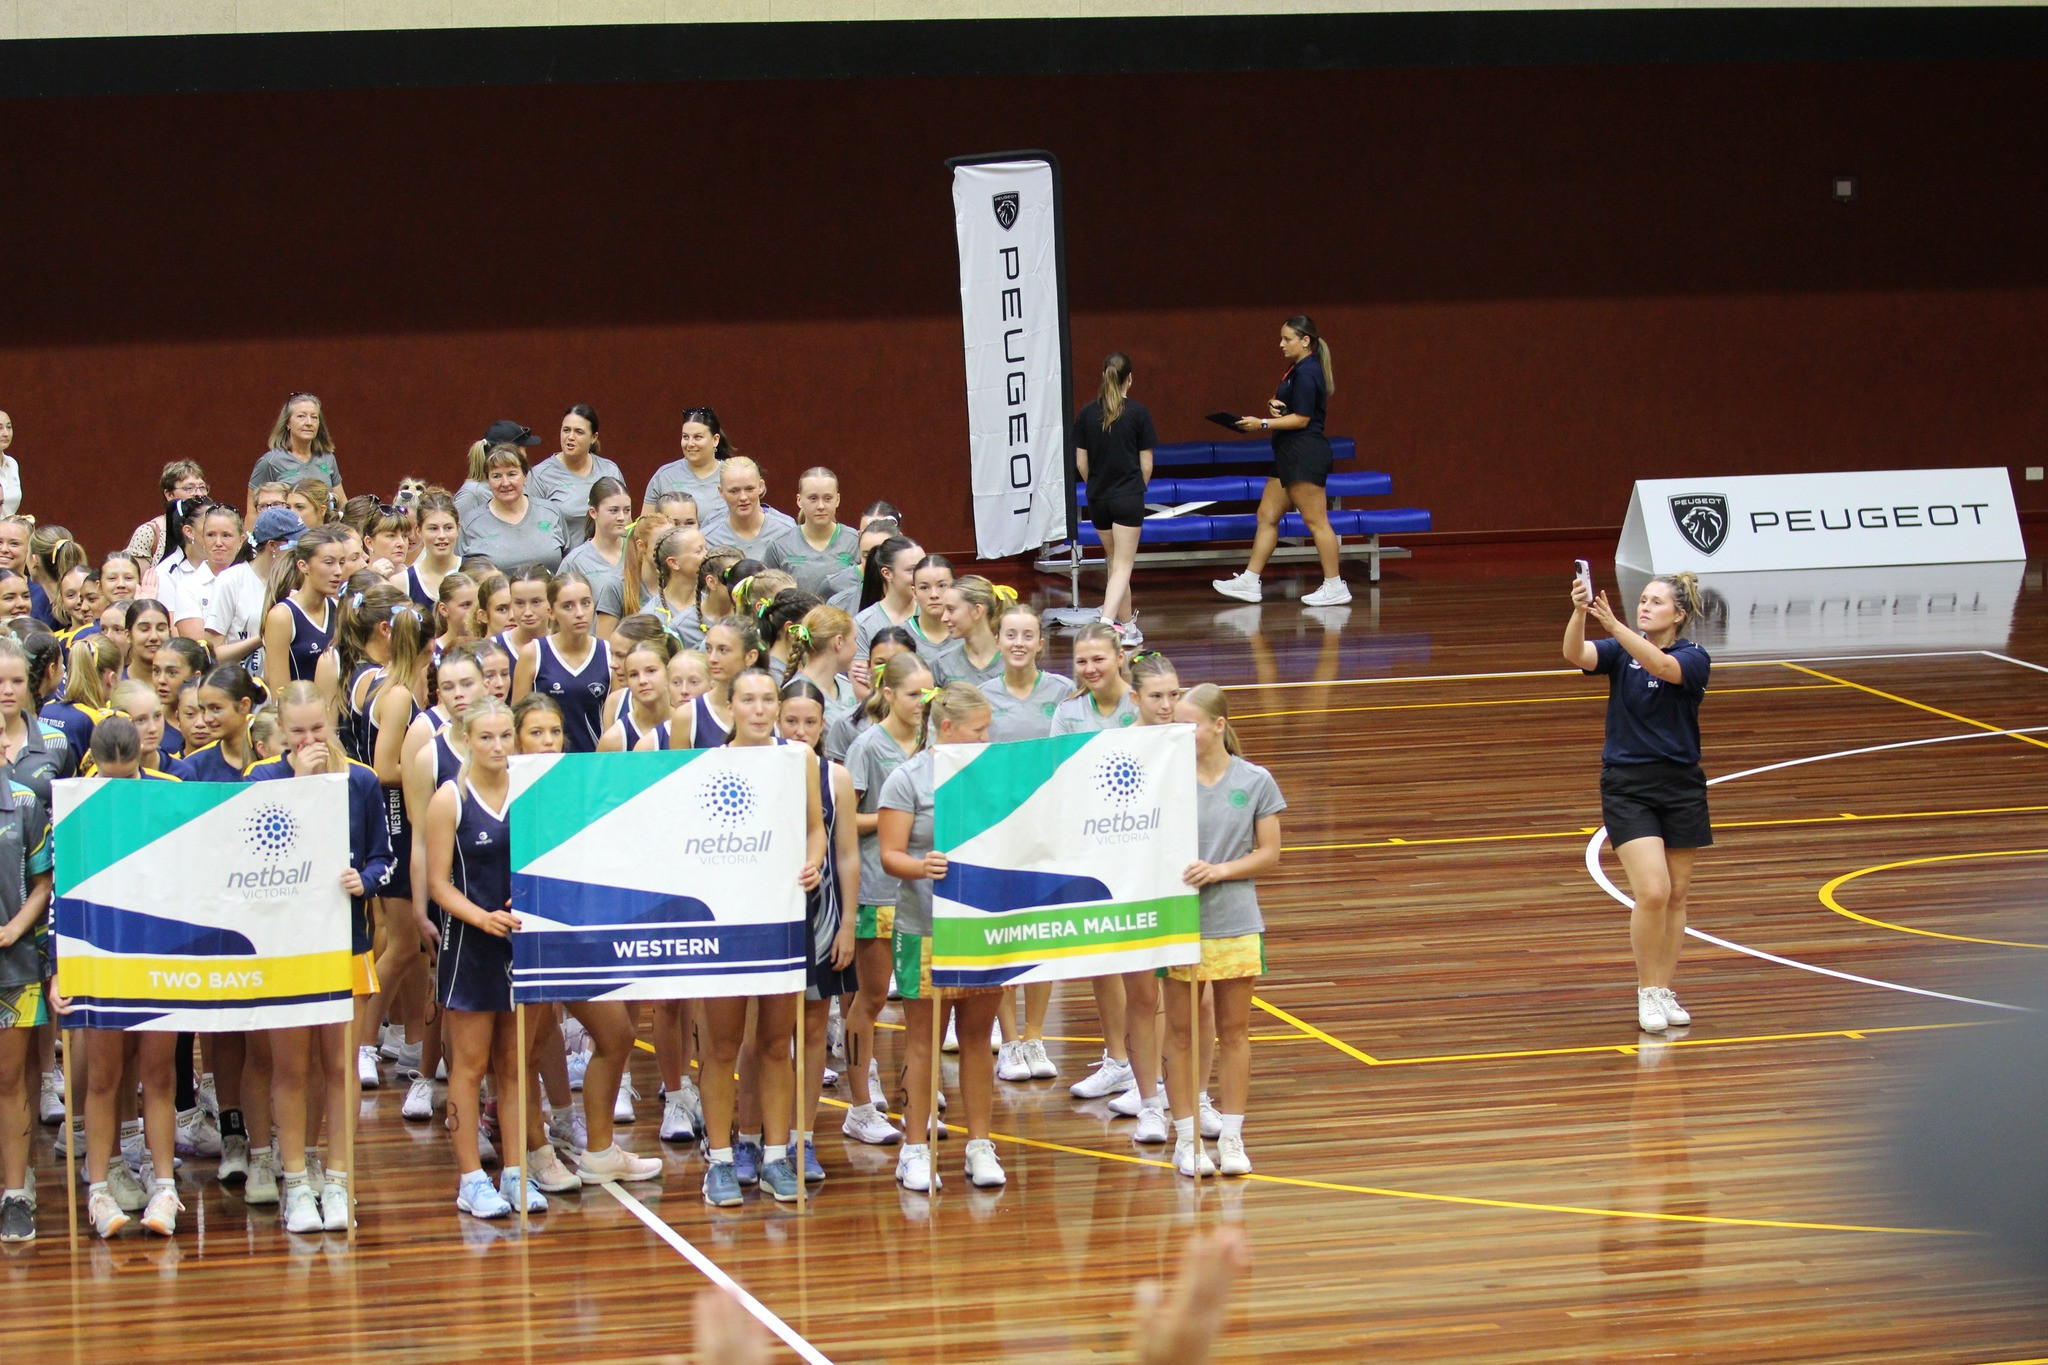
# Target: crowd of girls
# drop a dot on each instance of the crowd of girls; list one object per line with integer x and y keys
{"x": 415, "y": 647}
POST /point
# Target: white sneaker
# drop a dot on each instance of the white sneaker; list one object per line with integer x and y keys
{"x": 595, "y": 1168}
{"x": 984, "y": 1172}
{"x": 1650, "y": 1015}
{"x": 419, "y": 1098}
{"x": 1230, "y": 1156}
{"x": 1132, "y": 637}
{"x": 1244, "y": 586}
{"x": 1152, "y": 1125}
{"x": 366, "y": 1066}
{"x": 1042, "y": 1068}
{"x": 835, "y": 1033}
{"x": 209, "y": 1100}
{"x": 995, "y": 1037}
{"x": 579, "y": 1062}
{"x": 553, "y": 1175}
{"x": 50, "y": 1102}
{"x": 401, "y": 1054}
{"x": 914, "y": 1168}
{"x": 1110, "y": 1077}
{"x": 161, "y": 1217}
{"x": 126, "y": 1189}
{"x": 134, "y": 1146}
{"x": 952, "y": 1043}
{"x": 676, "y": 1125}
{"x": 1191, "y": 1159}
{"x": 302, "y": 1208}
{"x": 1130, "y": 1103}
{"x": 335, "y": 1213}
{"x": 622, "y": 1108}
{"x": 197, "y": 1135}
{"x": 865, "y": 1123}
{"x": 1675, "y": 1014}
{"x": 261, "y": 1187}
{"x": 234, "y": 1159}
{"x": 1211, "y": 1122}
{"x": 106, "y": 1215}
{"x": 1334, "y": 593}
{"x": 875, "y": 1081}
{"x": 693, "y": 1101}
{"x": 566, "y": 1133}
{"x": 1012, "y": 1064}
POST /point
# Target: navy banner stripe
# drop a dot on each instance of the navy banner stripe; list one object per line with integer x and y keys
{"x": 630, "y": 949}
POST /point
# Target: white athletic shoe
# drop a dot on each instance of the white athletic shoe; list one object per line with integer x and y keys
{"x": 1110, "y": 1077}
{"x": 875, "y": 1081}
{"x": 952, "y": 1043}
{"x": 208, "y": 1099}
{"x": 579, "y": 1062}
{"x": 302, "y": 1208}
{"x": 419, "y": 1098}
{"x": 1675, "y": 1014}
{"x": 566, "y": 1134}
{"x": 401, "y": 1054}
{"x": 554, "y": 1177}
{"x": 1129, "y": 1104}
{"x": 865, "y": 1123}
{"x": 984, "y": 1171}
{"x": 261, "y": 1186}
{"x": 107, "y": 1217}
{"x": 995, "y": 1037}
{"x": 1244, "y": 586}
{"x": 622, "y": 1108}
{"x": 676, "y": 1124}
{"x": 1211, "y": 1122}
{"x": 1042, "y": 1068}
{"x": 234, "y": 1159}
{"x": 1132, "y": 637}
{"x": 161, "y": 1217}
{"x": 50, "y": 1102}
{"x": 914, "y": 1168}
{"x": 1012, "y": 1064}
{"x": 1191, "y": 1159}
{"x": 1152, "y": 1126}
{"x": 595, "y": 1168}
{"x": 1334, "y": 593}
{"x": 835, "y": 1033}
{"x": 366, "y": 1066}
{"x": 1650, "y": 1016}
{"x": 335, "y": 1211}
{"x": 126, "y": 1189}
{"x": 1230, "y": 1155}
{"x": 197, "y": 1135}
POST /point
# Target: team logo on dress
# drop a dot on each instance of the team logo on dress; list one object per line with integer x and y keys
{"x": 271, "y": 831}
{"x": 1120, "y": 779}
{"x": 1006, "y": 209}
{"x": 1240, "y": 799}
{"x": 1702, "y": 519}
{"x": 728, "y": 798}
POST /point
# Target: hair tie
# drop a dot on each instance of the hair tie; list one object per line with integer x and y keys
{"x": 1005, "y": 595}
{"x": 631, "y": 526}
{"x": 801, "y": 632}
{"x": 355, "y": 603}
{"x": 929, "y": 695}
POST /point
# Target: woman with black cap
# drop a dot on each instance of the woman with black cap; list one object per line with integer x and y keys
{"x": 1301, "y": 464}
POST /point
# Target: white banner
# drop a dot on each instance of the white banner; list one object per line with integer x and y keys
{"x": 1007, "y": 214}
{"x": 1821, "y": 521}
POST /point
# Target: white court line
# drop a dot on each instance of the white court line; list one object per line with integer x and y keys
{"x": 804, "y": 1349}
{"x": 2007, "y": 658}
{"x": 1575, "y": 673}
{"x": 1599, "y": 874}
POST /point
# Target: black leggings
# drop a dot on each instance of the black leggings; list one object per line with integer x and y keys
{"x": 188, "y": 1092}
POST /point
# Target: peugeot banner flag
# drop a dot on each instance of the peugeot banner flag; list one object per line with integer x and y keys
{"x": 1013, "y": 313}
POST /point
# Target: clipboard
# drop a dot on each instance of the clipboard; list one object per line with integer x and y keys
{"x": 1226, "y": 420}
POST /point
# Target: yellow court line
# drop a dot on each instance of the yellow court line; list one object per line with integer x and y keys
{"x": 1846, "y": 817}
{"x": 1631, "y": 1048}
{"x": 1916, "y": 705}
{"x": 1284, "y": 1017}
{"x": 1827, "y": 896}
{"x": 646, "y": 1046}
{"x": 1514, "y": 701}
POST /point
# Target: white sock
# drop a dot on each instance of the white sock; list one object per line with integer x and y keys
{"x": 721, "y": 1154}
{"x": 775, "y": 1151}
{"x": 1233, "y": 1125}
{"x": 14, "y": 1194}
{"x": 1184, "y": 1130}
{"x": 1156, "y": 1100}
{"x": 477, "y": 1174}
{"x": 754, "y": 1138}
{"x": 166, "y": 1184}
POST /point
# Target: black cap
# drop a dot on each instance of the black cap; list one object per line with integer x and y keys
{"x": 505, "y": 432}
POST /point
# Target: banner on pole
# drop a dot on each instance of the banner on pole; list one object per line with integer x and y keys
{"x": 1066, "y": 857}
{"x": 658, "y": 876}
{"x": 202, "y": 907}
{"x": 1006, "y": 215}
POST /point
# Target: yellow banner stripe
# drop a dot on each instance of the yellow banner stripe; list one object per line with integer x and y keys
{"x": 1080, "y": 950}
{"x": 176, "y": 979}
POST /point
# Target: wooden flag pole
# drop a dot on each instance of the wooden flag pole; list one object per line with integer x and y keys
{"x": 348, "y": 1142}
{"x": 71, "y": 1132}
{"x": 1195, "y": 1065}
{"x": 505, "y": 1125}
{"x": 797, "y": 1116}
{"x": 931, "y": 1136}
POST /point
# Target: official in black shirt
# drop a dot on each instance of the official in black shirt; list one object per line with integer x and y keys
{"x": 1113, "y": 440}
{"x": 1301, "y": 464}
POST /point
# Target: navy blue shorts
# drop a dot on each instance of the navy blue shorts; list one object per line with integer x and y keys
{"x": 1665, "y": 801}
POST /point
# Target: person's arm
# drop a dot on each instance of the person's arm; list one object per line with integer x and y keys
{"x": 1577, "y": 652}
{"x": 277, "y": 649}
{"x": 393, "y": 709}
{"x": 1081, "y": 463}
{"x": 367, "y": 804}
{"x": 1264, "y": 857}
{"x": 1655, "y": 661}
{"x": 1293, "y": 421}
{"x": 495, "y": 920}
{"x": 814, "y": 831}
{"x": 327, "y": 677}
{"x": 846, "y": 855}
{"x": 523, "y": 671}
{"x": 613, "y": 740}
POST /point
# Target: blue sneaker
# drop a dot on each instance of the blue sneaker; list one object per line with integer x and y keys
{"x": 778, "y": 1177}
{"x": 721, "y": 1185}
{"x": 478, "y": 1198}
{"x": 746, "y": 1162}
{"x": 814, "y": 1170}
{"x": 508, "y": 1190}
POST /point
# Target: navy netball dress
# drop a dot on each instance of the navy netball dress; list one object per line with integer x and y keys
{"x": 476, "y": 967}
{"x": 580, "y": 693}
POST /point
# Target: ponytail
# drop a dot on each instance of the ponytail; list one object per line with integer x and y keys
{"x": 1305, "y": 326}
{"x": 1210, "y": 700}
{"x": 900, "y": 669}
{"x": 1116, "y": 372}
{"x": 1685, "y": 592}
{"x": 954, "y": 701}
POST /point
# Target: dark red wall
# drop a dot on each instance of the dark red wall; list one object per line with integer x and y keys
{"x": 1540, "y": 283}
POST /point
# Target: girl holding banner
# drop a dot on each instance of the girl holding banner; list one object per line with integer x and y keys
{"x": 954, "y": 714}
{"x": 1237, "y": 823}
{"x": 310, "y": 749}
{"x": 754, "y": 706}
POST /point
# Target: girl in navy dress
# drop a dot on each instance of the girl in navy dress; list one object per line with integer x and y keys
{"x": 298, "y": 625}
{"x": 731, "y": 646}
{"x": 571, "y": 665}
{"x": 648, "y": 704}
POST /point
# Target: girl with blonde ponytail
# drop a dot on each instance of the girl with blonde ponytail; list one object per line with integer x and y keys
{"x": 970, "y": 608}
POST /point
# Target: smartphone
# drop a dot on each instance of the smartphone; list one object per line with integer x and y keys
{"x": 1585, "y": 572}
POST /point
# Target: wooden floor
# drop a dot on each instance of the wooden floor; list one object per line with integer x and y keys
{"x": 1465, "y": 1149}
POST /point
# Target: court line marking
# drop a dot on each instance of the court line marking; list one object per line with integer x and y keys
{"x": 1575, "y": 673}
{"x": 709, "y": 1267}
{"x": 1917, "y": 705}
{"x": 1827, "y": 895}
{"x": 1630, "y": 1049}
{"x": 1599, "y": 874}
{"x": 1312, "y": 1031}
{"x": 2007, "y": 658}
{"x": 1516, "y": 701}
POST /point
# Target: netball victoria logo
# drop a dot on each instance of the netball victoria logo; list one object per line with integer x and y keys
{"x": 1120, "y": 782}
{"x": 729, "y": 801}
{"x": 269, "y": 835}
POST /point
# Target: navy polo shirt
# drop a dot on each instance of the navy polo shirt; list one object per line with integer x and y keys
{"x": 1648, "y": 719}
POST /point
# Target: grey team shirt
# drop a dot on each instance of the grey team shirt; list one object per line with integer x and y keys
{"x": 870, "y": 760}
{"x": 912, "y": 787}
{"x": 1226, "y": 822}
{"x": 1030, "y": 718}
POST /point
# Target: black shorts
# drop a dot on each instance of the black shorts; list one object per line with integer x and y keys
{"x": 1301, "y": 457}
{"x": 823, "y": 981}
{"x": 1116, "y": 507}
{"x": 1665, "y": 801}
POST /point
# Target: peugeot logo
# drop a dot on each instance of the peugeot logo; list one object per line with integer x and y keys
{"x": 1006, "y": 209}
{"x": 1702, "y": 519}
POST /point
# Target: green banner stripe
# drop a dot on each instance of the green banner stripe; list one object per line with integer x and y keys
{"x": 1004, "y": 777}
{"x": 580, "y": 790}
{"x": 1062, "y": 930}
{"x": 122, "y": 818}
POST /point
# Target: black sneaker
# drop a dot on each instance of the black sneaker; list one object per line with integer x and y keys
{"x": 17, "y": 1220}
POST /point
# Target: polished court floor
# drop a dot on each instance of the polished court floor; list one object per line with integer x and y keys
{"x": 1465, "y": 1149}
